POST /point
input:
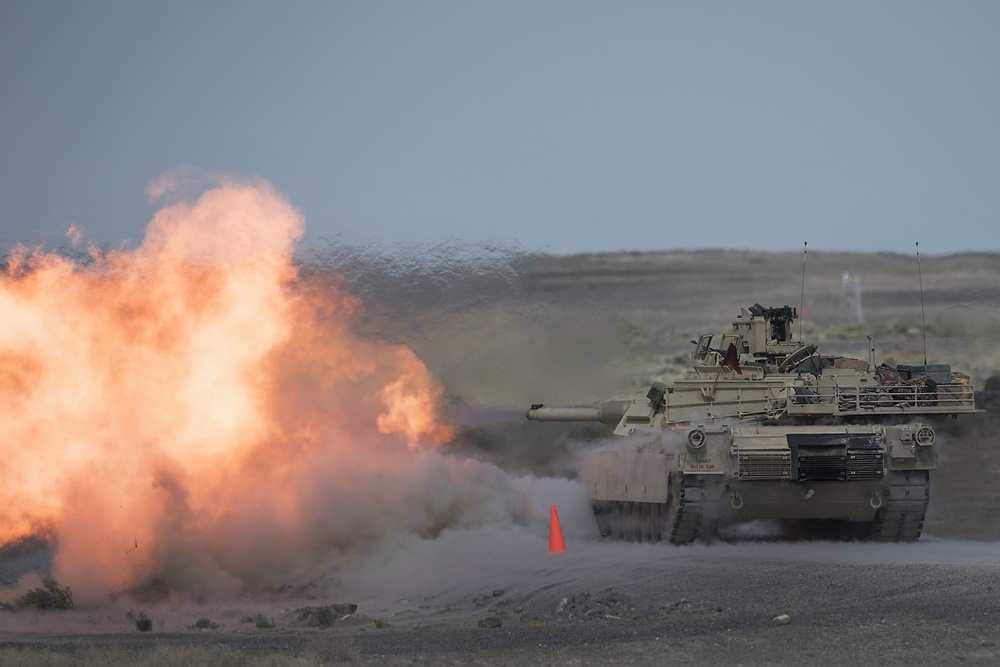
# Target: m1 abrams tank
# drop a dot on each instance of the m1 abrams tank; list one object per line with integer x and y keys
{"x": 764, "y": 427}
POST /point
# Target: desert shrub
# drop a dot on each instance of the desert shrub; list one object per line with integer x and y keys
{"x": 143, "y": 623}
{"x": 50, "y": 595}
{"x": 203, "y": 623}
{"x": 324, "y": 616}
{"x": 263, "y": 622}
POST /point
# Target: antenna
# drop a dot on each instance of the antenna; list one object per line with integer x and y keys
{"x": 923, "y": 321}
{"x": 802, "y": 298}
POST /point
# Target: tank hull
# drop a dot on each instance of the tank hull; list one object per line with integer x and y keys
{"x": 690, "y": 484}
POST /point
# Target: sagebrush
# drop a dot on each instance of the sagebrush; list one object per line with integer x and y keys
{"x": 50, "y": 595}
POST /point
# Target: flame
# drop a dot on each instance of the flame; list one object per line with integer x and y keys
{"x": 160, "y": 404}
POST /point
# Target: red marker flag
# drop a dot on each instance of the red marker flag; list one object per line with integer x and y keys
{"x": 732, "y": 359}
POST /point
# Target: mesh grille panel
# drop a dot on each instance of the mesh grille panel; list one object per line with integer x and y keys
{"x": 765, "y": 464}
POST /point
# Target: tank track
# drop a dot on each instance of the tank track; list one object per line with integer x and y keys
{"x": 906, "y": 495}
{"x": 693, "y": 514}
{"x": 699, "y": 510}
{"x": 631, "y": 521}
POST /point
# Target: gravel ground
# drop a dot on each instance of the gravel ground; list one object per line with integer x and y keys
{"x": 933, "y": 602}
{"x": 928, "y": 603}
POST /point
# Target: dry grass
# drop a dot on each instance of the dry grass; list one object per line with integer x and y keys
{"x": 332, "y": 648}
{"x": 325, "y": 649}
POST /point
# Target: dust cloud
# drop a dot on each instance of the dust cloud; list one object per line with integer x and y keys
{"x": 206, "y": 416}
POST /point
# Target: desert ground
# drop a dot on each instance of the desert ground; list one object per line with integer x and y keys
{"x": 500, "y": 330}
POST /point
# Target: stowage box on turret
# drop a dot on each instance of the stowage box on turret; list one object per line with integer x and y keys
{"x": 764, "y": 427}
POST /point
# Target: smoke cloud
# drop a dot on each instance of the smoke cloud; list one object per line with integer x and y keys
{"x": 202, "y": 416}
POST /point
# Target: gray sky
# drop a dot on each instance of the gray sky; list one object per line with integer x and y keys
{"x": 559, "y": 126}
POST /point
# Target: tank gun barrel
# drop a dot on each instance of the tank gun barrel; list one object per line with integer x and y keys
{"x": 610, "y": 412}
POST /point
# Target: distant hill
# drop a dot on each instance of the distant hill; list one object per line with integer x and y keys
{"x": 692, "y": 286}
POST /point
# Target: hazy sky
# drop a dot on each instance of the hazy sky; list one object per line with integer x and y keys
{"x": 560, "y": 126}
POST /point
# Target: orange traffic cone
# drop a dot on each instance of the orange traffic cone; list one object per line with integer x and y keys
{"x": 556, "y": 543}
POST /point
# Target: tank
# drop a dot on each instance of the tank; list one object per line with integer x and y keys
{"x": 766, "y": 427}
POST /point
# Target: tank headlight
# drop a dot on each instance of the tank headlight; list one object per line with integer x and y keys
{"x": 925, "y": 436}
{"x": 696, "y": 438}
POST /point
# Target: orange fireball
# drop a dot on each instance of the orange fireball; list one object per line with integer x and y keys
{"x": 168, "y": 409}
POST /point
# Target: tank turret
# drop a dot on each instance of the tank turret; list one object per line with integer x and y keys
{"x": 766, "y": 427}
